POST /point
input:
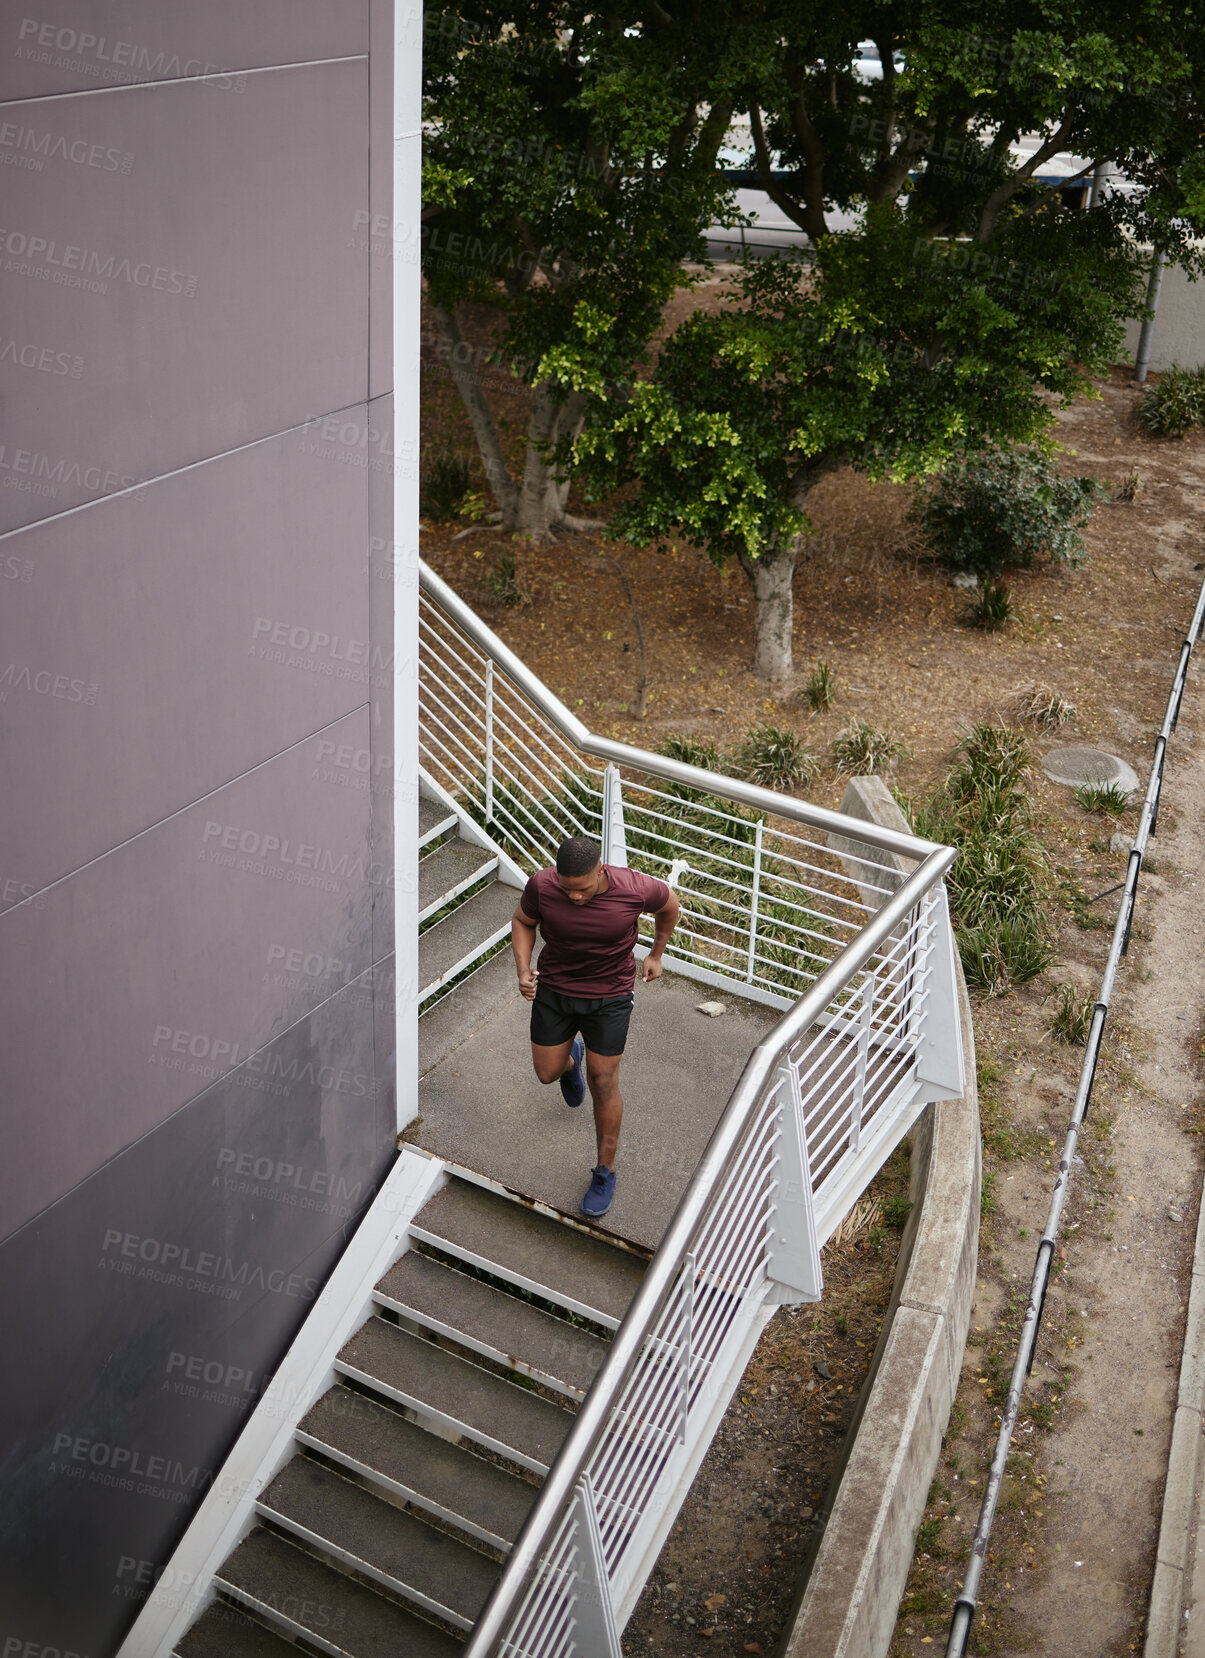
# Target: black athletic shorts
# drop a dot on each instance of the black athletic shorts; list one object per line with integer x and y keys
{"x": 602, "y": 1020}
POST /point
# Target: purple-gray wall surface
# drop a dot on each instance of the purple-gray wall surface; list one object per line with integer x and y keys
{"x": 196, "y": 668}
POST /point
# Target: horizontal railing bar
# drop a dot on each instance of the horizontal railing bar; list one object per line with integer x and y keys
{"x": 659, "y": 765}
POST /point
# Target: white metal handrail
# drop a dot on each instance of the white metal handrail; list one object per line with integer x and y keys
{"x": 820, "y": 1104}
{"x": 765, "y": 902}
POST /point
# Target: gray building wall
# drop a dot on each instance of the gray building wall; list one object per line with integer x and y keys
{"x": 198, "y": 463}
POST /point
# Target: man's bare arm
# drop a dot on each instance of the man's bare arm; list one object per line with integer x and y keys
{"x": 522, "y": 942}
{"x": 665, "y": 919}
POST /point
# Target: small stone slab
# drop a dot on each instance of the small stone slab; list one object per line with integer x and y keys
{"x": 711, "y": 1009}
{"x": 1079, "y": 766}
{"x": 966, "y": 578}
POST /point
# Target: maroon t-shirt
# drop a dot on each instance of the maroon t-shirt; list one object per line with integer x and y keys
{"x": 588, "y": 947}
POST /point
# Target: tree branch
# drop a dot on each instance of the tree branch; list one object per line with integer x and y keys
{"x": 1004, "y": 193}
{"x": 1053, "y": 189}
{"x": 800, "y": 215}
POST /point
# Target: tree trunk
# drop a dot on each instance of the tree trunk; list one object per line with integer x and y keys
{"x": 485, "y": 428}
{"x": 542, "y": 496}
{"x": 772, "y": 575}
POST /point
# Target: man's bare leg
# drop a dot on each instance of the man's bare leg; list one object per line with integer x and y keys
{"x": 552, "y": 1063}
{"x": 602, "y": 1078}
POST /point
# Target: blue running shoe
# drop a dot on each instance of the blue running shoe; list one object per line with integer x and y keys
{"x": 573, "y": 1083}
{"x": 599, "y": 1197}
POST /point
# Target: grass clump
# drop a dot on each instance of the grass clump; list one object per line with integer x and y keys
{"x": 774, "y": 757}
{"x": 1000, "y": 874}
{"x": 861, "y": 749}
{"x": 1004, "y": 509}
{"x": 1072, "y": 1015}
{"x": 1038, "y": 705}
{"x": 691, "y": 751}
{"x": 992, "y": 610}
{"x": 1128, "y": 488}
{"x": 1106, "y": 799}
{"x": 1175, "y": 406}
{"x": 820, "y": 687}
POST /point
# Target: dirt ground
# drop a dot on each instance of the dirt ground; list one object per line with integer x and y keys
{"x": 1071, "y": 1558}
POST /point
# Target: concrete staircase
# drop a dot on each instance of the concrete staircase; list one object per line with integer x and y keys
{"x": 410, "y": 1478}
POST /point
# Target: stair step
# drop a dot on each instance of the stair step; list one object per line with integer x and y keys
{"x": 221, "y": 1632}
{"x": 434, "y": 819}
{"x": 464, "y": 1398}
{"x": 454, "y": 1019}
{"x": 292, "y": 1591}
{"x": 387, "y": 1448}
{"x": 454, "y": 943}
{"x": 366, "y": 1534}
{"x": 449, "y": 871}
{"x": 556, "y": 1262}
{"x": 491, "y": 1322}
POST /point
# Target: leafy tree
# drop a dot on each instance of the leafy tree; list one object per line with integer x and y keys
{"x": 966, "y": 302}
{"x": 569, "y": 166}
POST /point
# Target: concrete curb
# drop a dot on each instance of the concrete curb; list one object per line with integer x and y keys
{"x": 1165, "y": 1618}
{"x": 850, "y": 1599}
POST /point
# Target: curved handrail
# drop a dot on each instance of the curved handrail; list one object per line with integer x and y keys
{"x": 625, "y": 1348}
{"x": 657, "y": 765}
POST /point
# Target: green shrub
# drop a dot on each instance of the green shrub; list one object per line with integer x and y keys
{"x": 992, "y": 609}
{"x": 861, "y": 749}
{"x": 1001, "y": 872}
{"x": 1004, "y": 509}
{"x": 1175, "y": 406}
{"x": 774, "y": 757}
{"x": 691, "y": 751}
{"x": 443, "y": 488}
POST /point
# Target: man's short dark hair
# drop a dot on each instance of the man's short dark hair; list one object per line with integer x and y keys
{"x": 577, "y": 856}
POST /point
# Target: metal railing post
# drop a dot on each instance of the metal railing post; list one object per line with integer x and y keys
{"x": 489, "y": 742}
{"x": 614, "y": 838}
{"x": 757, "y": 847}
{"x": 864, "y": 1021}
{"x": 939, "y": 1061}
{"x": 688, "y": 1266}
{"x": 794, "y": 1263}
{"x": 594, "y": 1632}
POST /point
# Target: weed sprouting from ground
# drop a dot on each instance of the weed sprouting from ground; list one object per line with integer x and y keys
{"x": 861, "y": 749}
{"x": 1128, "y": 488}
{"x": 504, "y": 583}
{"x": 1072, "y": 1014}
{"x": 691, "y": 751}
{"x": 1105, "y": 798}
{"x": 774, "y": 757}
{"x": 820, "y": 687}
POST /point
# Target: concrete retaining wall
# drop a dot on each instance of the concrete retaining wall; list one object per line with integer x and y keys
{"x": 852, "y": 1592}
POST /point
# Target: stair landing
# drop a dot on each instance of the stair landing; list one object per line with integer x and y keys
{"x": 481, "y": 1106}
